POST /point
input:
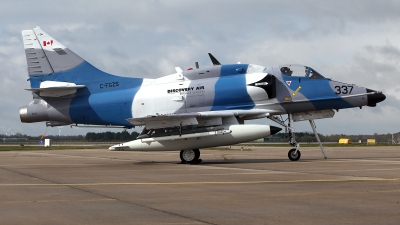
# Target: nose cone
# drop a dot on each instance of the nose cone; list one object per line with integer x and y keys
{"x": 274, "y": 130}
{"x": 375, "y": 98}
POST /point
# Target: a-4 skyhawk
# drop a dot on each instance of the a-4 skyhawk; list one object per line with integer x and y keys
{"x": 187, "y": 110}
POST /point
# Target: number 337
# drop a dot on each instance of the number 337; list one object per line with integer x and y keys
{"x": 343, "y": 89}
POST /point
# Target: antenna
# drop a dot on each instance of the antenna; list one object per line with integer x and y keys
{"x": 214, "y": 61}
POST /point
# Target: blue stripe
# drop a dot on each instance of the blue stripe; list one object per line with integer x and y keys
{"x": 107, "y": 99}
{"x": 105, "y": 108}
{"x": 230, "y": 89}
{"x": 316, "y": 90}
{"x": 85, "y": 74}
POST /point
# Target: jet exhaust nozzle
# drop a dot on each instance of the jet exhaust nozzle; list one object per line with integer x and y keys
{"x": 40, "y": 111}
{"x": 34, "y": 112}
{"x": 23, "y": 114}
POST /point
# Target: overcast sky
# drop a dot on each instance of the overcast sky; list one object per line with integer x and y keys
{"x": 356, "y": 42}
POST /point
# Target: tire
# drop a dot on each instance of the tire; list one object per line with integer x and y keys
{"x": 189, "y": 155}
{"x": 292, "y": 156}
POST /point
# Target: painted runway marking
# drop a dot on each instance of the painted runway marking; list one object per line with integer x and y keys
{"x": 56, "y": 201}
{"x": 207, "y": 182}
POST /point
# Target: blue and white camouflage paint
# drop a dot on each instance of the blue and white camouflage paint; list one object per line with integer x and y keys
{"x": 68, "y": 90}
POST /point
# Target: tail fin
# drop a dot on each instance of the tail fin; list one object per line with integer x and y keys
{"x": 49, "y": 60}
{"x": 45, "y": 55}
{"x": 51, "y": 65}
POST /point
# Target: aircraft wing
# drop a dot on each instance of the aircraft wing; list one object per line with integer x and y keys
{"x": 207, "y": 118}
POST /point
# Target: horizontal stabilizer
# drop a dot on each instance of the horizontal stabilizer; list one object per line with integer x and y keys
{"x": 56, "y": 89}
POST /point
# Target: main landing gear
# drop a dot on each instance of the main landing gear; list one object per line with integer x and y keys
{"x": 190, "y": 156}
{"x": 294, "y": 153}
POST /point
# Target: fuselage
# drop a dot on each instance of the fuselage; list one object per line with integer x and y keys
{"x": 109, "y": 100}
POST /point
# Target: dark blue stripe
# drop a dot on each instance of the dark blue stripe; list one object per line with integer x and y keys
{"x": 318, "y": 92}
{"x": 107, "y": 99}
{"x": 230, "y": 89}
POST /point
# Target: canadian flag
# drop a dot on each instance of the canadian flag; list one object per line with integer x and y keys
{"x": 47, "y": 43}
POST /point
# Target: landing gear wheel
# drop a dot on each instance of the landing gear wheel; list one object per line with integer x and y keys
{"x": 190, "y": 156}
{"x": 294, "y": 156}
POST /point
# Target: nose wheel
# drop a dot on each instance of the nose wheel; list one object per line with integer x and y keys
{"x": 294, "y": 155}
{"x": 190, "y": 156}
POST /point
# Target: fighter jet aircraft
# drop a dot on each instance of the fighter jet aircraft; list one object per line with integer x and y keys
{"x": 187, "y": 110}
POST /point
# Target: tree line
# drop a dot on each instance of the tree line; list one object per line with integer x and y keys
{"x": 310, "y": 137}
{"x": 90, "y": 136}
{"x": 281, "y": 137}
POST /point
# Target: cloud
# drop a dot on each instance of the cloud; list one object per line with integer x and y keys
{"x": 351, "y": 41}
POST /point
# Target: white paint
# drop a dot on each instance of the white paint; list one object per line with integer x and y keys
{"x": 51, "y": 43}
{"x": 238, "y": 134}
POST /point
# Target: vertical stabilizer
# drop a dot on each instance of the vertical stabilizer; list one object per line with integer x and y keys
{"x": 35, "y": 57}
{"x": 45, "y": 55}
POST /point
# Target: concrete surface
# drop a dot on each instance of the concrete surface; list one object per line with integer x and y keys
{"x": 357, "y": 185}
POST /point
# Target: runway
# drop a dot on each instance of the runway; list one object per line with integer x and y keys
{"x": 355, "y": 185}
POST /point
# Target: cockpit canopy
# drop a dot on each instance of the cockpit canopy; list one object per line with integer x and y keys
{"x": 296, "y": 70}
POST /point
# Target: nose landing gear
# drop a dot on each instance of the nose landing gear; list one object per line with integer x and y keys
{"x": 294, "y": 153}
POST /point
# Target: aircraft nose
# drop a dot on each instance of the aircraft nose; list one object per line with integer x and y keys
{"x": 375, "y": 98}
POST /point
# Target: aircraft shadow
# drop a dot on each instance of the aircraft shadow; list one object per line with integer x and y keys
{"x": 222, "y": 161}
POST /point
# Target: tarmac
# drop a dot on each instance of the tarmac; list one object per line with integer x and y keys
{"x": 259, "y": 185}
